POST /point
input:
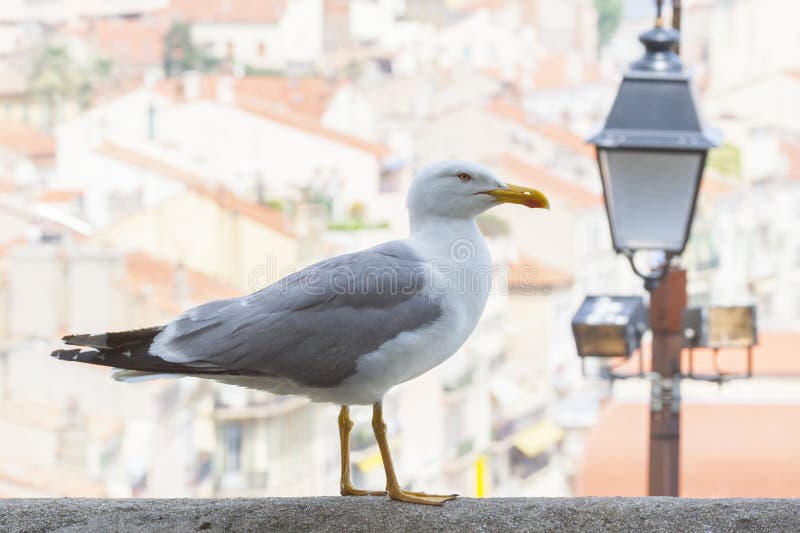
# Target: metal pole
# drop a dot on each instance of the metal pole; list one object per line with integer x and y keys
{"x": 676, "y": 23}
{"x": 667, "y": 302}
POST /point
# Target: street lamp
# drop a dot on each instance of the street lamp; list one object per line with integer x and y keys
{"x": 651, "y": 154}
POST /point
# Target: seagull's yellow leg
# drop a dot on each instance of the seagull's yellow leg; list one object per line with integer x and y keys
{"x": 346, "y": 486}
{"x": 392, "y": 486}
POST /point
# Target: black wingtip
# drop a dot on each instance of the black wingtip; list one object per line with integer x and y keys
{"x": 66, "y": 355}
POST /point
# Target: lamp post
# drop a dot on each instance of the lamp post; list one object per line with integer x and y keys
{"x": 651, "y": 154}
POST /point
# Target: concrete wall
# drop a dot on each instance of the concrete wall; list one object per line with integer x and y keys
{"x": 380, "y": 514}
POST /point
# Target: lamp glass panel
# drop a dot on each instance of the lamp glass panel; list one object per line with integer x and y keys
{"x": 603, "y": 340}
{"x": 649, "y": 196}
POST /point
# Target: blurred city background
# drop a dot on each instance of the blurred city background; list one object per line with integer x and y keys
{"x": 156, "y": 154}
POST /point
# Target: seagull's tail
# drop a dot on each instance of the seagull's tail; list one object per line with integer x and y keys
{"x": 128, "y": 350}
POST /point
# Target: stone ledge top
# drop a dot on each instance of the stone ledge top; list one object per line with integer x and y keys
{"x": 379, "y": 514}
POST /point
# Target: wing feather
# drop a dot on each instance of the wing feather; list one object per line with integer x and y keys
{"x": 312, "y": 326}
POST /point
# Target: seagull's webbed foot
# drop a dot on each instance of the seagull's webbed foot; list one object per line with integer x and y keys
{"x": 350, "y": 490}
{"x": 445, "y": 497}
{"x": 419, "y": 497}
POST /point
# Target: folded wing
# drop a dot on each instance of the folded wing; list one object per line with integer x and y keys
{"x": 310, "y": 327}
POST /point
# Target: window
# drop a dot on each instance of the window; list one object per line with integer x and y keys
{"x": 233, "y": 448}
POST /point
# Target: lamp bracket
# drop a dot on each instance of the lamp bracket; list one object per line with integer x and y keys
{"x": 651, "y": 279}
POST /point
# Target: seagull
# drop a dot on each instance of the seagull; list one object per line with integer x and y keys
{"x": 344, "y": 330}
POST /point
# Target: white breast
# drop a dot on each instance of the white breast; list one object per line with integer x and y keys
{"x": 459, "y": 278}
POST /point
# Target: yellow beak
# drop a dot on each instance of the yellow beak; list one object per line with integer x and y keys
{"x": 515, "y": 194}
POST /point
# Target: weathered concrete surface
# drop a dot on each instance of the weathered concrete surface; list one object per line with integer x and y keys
{"x": 378, "y": 514}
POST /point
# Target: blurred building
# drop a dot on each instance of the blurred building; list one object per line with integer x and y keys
{"x": 226, "y": 138}
{"x": 129, "y": 194}
{"x": 276, "y": 35}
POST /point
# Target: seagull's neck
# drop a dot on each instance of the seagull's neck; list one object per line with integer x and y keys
{"x": 442, "y": 237}
{"x": 431, "y": 225}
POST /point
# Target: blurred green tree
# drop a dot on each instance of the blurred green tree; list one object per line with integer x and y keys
{"x": 55, "y": 78}
{"x": 609, "y": 14}
{"x": 726, "y": 159}
{"x": 182, "y": 54}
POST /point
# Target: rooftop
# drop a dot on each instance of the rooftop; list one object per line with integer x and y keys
{"x": 27, "y": 140}
{"x": 307, "y": 96}
{"x": 158, "y": 280}
{"x": 554, "y": 186}
{"x": 128, "y": 41}
{"x": 236, "y": 11}
{"x": 553, "y": 132}
{"x": 57, "y": 196}
{"x": 266, "y": 216}
{"x": 298, "y": 103}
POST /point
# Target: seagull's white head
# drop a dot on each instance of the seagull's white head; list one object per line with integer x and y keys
{"x": 461, "y": 189}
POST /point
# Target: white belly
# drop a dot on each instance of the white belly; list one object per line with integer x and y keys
{"x": 411, "y": 354}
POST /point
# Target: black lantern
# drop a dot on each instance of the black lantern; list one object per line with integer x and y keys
{"x": 652, "y": 152}
{"x": 609, "y": 326}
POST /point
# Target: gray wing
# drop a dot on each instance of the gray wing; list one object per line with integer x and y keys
{"x": 312, "y": 326}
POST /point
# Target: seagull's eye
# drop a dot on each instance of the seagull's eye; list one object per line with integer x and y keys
{"x": 464, "y": 176}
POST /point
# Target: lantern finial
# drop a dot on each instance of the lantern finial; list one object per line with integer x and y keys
{"x": 659, "y": 44}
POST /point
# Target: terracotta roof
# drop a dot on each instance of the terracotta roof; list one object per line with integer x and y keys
{"x": 313, "y": 127}
{"x": 304, "y": 96}
{"x": 156, "y": 279}
{"x": 550, "y": 184}
{"x": 298, "y": 103}
{"x": 241, "y": 11}
{"x": 554, "y": 132}
{"x": 271, "y": 218}
{"x": 59, "y": 195}
{"x": 338, "y": 7}
{"x": 169, "y": 87}
{"x": 528, "y": 273}
{"x": 128, "y": 41}
{"x": 27, "y": 141}
{"x": 727, "y": 450}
